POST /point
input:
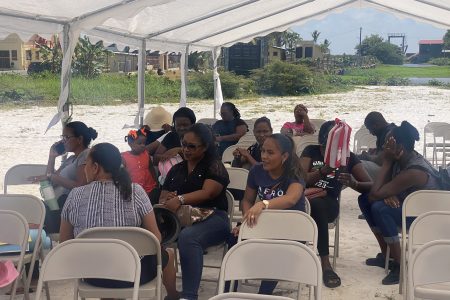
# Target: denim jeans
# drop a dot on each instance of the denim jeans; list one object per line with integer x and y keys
{"x": 192, "y": 242}
{"x": 383, "y": 218}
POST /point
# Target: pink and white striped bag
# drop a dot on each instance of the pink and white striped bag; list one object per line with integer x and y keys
{"x": 337, "y": 151}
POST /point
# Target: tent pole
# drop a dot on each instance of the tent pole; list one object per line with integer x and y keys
{"x": 66, "y": 76}
{"x": 184, "y": 67}
{"x": 141, "y": 81}
{"x": 218, "y": 96}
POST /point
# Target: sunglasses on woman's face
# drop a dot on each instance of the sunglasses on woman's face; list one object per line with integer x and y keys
{"x": 189, "y": 146}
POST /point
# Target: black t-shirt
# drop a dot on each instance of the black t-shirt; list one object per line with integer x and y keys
{"x": 171, "y": 140}
{"x": 255, "y": 152}
{"x": 153, "y": 136}
{"x": 180, "y": 181}
{"x": 329, "y": 182}
{"x": 381, "y": 138}
{"x": 226, "y": 128}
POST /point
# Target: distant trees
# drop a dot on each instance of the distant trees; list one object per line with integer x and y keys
{"x": 325, "y": 46}
{"x": 290, "y": 40}
{"x": 315, "y": 35}
{"x": 384, "y": 51}
{"x": 446, "y": 39}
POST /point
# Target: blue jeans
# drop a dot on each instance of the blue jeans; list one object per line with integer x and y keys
{"x": 192, "y": 242}
{"x": 383, "y": 218}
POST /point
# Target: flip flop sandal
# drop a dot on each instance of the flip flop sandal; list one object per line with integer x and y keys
{"x": 331, "y": 279}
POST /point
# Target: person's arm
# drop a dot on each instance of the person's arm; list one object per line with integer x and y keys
{"x": 249, "y": 199}
{"x": 65, "y": 231}
{"x": 246, "y": 157}
{"x": 357, "y": 180}
{"x": 151, "y": 148}
{"x": 149, "y": 223}
{"x": 56, "y": 179}
{"x": 240, "y": 131}
{"x": 308, "y": 127}
{"x": 312, "y": 176}
{"x": 286, "y": 130}
{"x": 162, "y": 153}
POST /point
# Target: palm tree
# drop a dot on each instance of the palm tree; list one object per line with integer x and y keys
{"x": 325, "y": 46}
{"x": 290, "y": 40}
{"x": 89, "y": 58}
{"x": 315, "y": 35}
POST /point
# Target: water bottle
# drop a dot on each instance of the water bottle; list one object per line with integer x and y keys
{"x": 48, "y": 193}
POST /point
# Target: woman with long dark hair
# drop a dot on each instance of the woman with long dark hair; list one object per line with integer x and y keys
{"x": 200, "y": 181}
{"x": 110, "y": 199}
{"x": 402, "y": 172}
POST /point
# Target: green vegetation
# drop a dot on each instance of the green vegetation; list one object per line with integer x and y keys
{"x": 384, "y": 51}
{"x": 441, "y": 61}
{"x": 386, "y": 71}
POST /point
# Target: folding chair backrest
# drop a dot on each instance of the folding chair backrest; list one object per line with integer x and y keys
{"x": 238, "y": 178}
{"x": 430, "y": 264}
{"x": 253, "y": 259}
{"x": 227, "y": 156}
{"x": 19, "y": 174}
{"x": 141, "y": 239}
{"x": 230, "y": 202}
{"x": 92, "y": 258}
{"x": 317, "y": 123}
{"x": 247, "y": 139}
{"x": 274, "y": 224}
{"x": 302, "y": 141}
{"x": 428, "y": 227}
{"x": 363, "y": 140}
{"x": 13, "y": 229}
{"x": 31, "y": 207}
{"x": 248, "y": 296}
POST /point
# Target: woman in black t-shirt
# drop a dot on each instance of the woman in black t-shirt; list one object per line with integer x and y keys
{"x": 200, "y": 181}
{"x": 230, "y": 129}
{"x": 325, "y": 209}
{"x": 170, "y": 146}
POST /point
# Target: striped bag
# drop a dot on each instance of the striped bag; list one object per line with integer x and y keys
{"x": 337, "y": 150}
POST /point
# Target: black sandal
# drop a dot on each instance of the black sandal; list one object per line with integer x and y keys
{"x": 331, "y": 279}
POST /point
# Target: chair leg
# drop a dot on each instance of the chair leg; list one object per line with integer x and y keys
{"x": 336, "y": 243}
{"x": 47, "y": 291}
{"x": 386, "y": 261}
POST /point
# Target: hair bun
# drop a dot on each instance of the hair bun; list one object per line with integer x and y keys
{"x": 410, "y": 130}
{"x": 93, "y": 133}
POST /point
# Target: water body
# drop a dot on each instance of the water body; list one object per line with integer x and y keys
{"x": 425, "y": 81}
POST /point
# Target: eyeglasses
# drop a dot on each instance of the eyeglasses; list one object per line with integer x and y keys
{"x": 191, "y": 147}
{"x": 66, "y": 137}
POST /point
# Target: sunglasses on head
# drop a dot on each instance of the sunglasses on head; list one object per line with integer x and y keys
{"x": 188, "y": 146}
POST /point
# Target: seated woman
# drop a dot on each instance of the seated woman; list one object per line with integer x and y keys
{"x": 247, "y": 158}
{"x": 402, "y": 172}
{"x": 170, "y": 146}
{"x": 230, "y": 129}
{"x": 278, "y": 181}
{"x": 325, "y": 207}
{"x": 76, "y": 138}
{"x": 301, "y": 126}
{"x": 200, "y": 181}
{"x": 110, "y": 199}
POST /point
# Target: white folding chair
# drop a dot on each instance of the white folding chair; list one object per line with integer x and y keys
{"x": 144, "y": 242}
{"x": 248, "y": 138}
{"x": 19, "y": 174}
{"x": 335, "y": 225}
{"x": 363, "y": 140}
{"x": 33, "y": 210}
{"x": 92, "y": 258}
{"x": 414, "y": 205}
{"x": 238, "y": 181}
{"x": 317, "y": 123}
{"x": 14, "y": 230}
{"x": 289, "y": 225}
{"x": 250, "y": 259}
{"x": 427, "y": 227}
{"x": 440, "y": 135}
{"x": 247, "y": 296}
{"x": 428, "y": 273}
{"x": 302, "y": 141}
{"x": 227, "y": 156}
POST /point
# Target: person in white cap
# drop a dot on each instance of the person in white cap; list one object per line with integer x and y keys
{"x": 157, "y": 125}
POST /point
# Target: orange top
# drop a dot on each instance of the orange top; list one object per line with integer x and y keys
{"x": 138, "y": 166}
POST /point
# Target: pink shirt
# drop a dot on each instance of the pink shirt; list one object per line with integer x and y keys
{"x": 138, "y": 168}
{"x": 296, "y": 128}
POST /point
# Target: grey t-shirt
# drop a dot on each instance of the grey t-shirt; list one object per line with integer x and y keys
{"x": 69, "y": 170}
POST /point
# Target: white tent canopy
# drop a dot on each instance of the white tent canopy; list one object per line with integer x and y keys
{"x": 184, "y": 25}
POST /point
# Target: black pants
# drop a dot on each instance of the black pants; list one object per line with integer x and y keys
{"x": 52, "y": 220}
{"x": 324, "y": 210}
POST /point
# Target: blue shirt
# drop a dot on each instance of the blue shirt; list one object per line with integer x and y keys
{"x": 269, "y": 188}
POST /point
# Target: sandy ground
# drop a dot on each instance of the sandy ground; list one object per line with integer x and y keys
{"x": 22, "y": 140}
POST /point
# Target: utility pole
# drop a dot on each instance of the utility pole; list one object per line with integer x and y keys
{"x": 360, "y": 49}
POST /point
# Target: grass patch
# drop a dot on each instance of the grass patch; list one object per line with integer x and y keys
{"x": 389, "y": 71}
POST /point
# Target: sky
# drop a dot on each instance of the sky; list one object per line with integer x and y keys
{"x": 342, "y": 29}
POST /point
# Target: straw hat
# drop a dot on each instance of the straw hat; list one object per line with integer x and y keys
{"x": 157, "y": 117}
{"x": 8, "y": 273}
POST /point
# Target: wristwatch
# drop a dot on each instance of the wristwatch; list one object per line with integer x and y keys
{"x": 181, "y": 199}
{"x": 266, "y": 204}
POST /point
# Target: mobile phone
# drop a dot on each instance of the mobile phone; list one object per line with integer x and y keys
{"x": 59, "y": 148}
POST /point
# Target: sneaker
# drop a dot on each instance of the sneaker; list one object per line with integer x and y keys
{"x": 361, "y": 217}
{"x": 394, "y": 275}
{"x": 378, "y": 261}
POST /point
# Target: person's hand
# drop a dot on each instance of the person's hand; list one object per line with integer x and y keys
{"x": 218, "y": 138}
{"x": 235, "y": 231}
{"x": 347, "y": 179}
{"x": 391, "y": 151}
{"x": 243, "y": 152}
{"x": 37, "y": 179}
{"x": 172, "y": 204}
{"x": 392, "y": 201}
{"x": 53, "y": 153}
{"x": 166, "y": 127}
{"x": 325, "y": 170}
{"x": 252, "y": 215}
{"x": 170, "y": 153}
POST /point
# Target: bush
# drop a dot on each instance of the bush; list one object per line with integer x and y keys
{"x": 441, "y": 61}
{"x": 282, "y": 78}
{"x": 397, "y": 81}
{"x": 435, "y": 82}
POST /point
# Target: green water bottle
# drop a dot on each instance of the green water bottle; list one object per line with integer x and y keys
{"x": 48, "y": 193}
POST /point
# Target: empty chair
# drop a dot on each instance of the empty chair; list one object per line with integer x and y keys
{"x": 363, "y": 140}
{"x": 428, "y": 273}
{"x": 238, "y": 183}
{"x": 302, "y": 141}
{"x": 33, "y": 210}
{"x": 440, "y": 142}
{"x": 19, "y": 174}
{"x": 144, "y": 242}
{"x": 91, "y": 258}
{"x": 249, "y": 260}
{"x": 14, "y": 230}
{"x": 247, "y": 296}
